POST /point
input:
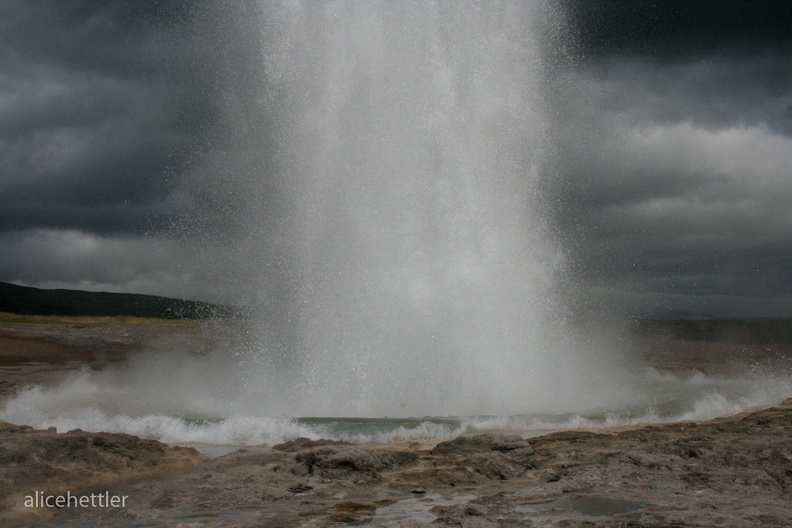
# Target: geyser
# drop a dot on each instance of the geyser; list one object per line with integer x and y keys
{"x": 378, "y": 192}
{"x": 405, "y": 266}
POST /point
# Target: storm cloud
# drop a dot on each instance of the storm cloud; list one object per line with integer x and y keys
{"x": 95, "y": 112}
{"x": 675, "y": 133}
{"x": 104, "y": 107}
{"x": 672, "y": 124}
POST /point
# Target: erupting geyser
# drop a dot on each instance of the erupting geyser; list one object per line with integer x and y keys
{"x": 409, "y": 270}
{"x": 377, "y": 186}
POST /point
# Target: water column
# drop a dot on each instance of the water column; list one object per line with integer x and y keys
{"x": 411, "y": 145}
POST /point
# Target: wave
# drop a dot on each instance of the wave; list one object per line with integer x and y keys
{"x": 82, "y": 403}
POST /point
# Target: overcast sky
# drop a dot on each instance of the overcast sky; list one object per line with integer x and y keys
{"x": 672, "y": 123}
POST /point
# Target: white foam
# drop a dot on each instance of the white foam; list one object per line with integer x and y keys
{"x": 426, "y": 430}
{"x": 34, "y": 407}
{"x": 185, "y": 413}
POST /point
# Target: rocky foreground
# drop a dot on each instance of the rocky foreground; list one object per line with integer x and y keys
{"x": 731, "y": 472}
{"x": 34, "y": 463}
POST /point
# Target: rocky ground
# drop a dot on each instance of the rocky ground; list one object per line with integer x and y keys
{"x": 732, "y": 472}
{"x": 75, "y": 462}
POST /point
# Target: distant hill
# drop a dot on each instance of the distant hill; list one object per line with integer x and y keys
{"x": 35, "y": 301}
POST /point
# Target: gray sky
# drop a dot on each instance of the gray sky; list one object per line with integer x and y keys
{"x": 672, "y": 123}
{"x": 677, "y": 155}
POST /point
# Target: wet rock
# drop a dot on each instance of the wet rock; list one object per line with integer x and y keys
{"x": 395, "y": 459}
{"x": 352, "y": 513}
{"x": 355, "y": 507}
{"x": 448, "y": 476}
{"x": 351, "y": 462}
{"x": 464, "y": 515}
{"x": 651, "y": 461}
{"x": 34, "y": 460}
{"x": 300, "y": 444}
{"x": 551, "y": 475}
{"x": 494, "y": 466}
{"x": 523, "y": 457}
{"x": 300, "y": 488}
{"x": 482, "y": 442}
{"x": 573, "y": 437}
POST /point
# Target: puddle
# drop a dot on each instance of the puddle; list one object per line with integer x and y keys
{"x": 415, "y": 509}
{"x": 587, "y": 505}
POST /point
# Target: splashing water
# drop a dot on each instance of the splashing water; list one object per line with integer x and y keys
{"x": 152, "y": 407}
{"x": 411, "y": 151}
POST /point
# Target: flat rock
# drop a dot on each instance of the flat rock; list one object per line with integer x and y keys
{"x": 353, "y": 463}
{"x": 300, "y": 444}
{"x": 481, "y": 442}
{"x": 50, "y": 462}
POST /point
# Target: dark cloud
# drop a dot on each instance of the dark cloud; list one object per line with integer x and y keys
{"x": 679, "y": 30}
{"x": 712, "y": 92}
{"x": 128, "y": 130}
{"x": 120, "y": 39}
{"x": 675, "y": 142}
{"x": 100, "y": 111}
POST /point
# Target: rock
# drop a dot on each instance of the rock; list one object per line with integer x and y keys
{"x": 352, "y": 513}
{"x": 300, "y": 444}
{"x": 481, "y": 442}
{"x": 464, "y": 515}
{"x": 494, "y": 466}
{"x": 37, "y": 460}
{"x": 551, "y": 475}
{"x": 395, "y": 459}
{"x": 300, "y": 488}
{"x": 351, "y": 462}
{"x": 740, "y": 476}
